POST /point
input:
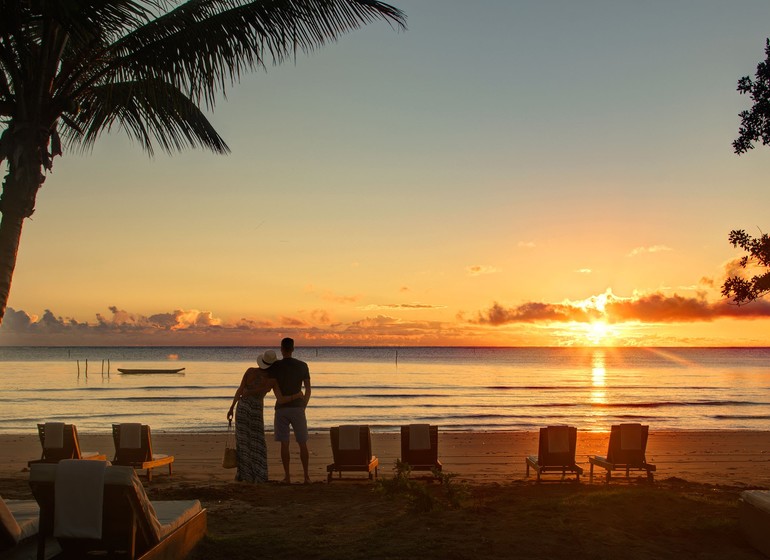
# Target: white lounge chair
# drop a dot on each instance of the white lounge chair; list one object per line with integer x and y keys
{"x": 18, "y": 531}
{"x": 95, "y": 507}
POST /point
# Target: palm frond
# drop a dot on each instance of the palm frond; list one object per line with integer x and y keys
{"x": 203, "y": 44}
{"x": 150, "y": 111}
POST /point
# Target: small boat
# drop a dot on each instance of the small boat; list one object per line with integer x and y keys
{"x": 150, "y": 370}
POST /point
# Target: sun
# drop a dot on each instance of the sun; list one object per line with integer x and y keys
{"x": 599, "y": 333}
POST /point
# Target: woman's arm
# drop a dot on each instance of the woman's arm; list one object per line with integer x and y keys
{"x": 280, "y": 397}
{"x": 238, "y": 395}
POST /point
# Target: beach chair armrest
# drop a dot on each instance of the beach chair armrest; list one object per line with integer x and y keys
{"x": 600, "y": 462}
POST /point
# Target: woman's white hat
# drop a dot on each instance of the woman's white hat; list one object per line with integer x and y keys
{"x": 266, "y": 359}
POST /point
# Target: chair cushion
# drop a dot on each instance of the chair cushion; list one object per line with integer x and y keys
{"x": 630, "y": 437}
{"x": 760, "y": 499}
{"x": 27, "y": 515}
{"x": 172, "y": 514}
{"x": 54, "y": 435}
{"x": 419, "y": 436}
{"x": 9, "y": 523}
{"x": 558, "y": 439}
{"x": 130, "y": 436}
{"x": 350, "y": 437}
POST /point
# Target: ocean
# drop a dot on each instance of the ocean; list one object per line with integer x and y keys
{"x": 469, "y": 389}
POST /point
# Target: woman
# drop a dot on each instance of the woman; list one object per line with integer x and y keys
{"x": 250, "y": 446}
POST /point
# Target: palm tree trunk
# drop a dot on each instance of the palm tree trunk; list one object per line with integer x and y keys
{"x": 10, "y": 235}
{"x": 23, "y": 180}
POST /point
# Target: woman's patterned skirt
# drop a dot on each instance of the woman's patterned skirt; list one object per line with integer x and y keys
{"x": 250, "y": 443}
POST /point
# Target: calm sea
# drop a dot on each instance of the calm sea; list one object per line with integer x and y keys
{"x": 477, "y": 389}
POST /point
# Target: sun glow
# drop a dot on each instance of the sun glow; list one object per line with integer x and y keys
{"x": 600, "y": 333}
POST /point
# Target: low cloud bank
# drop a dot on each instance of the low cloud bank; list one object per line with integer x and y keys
{"x": 650, "y": 308}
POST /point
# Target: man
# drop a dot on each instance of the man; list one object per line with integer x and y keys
{"x": 291, "y": 375}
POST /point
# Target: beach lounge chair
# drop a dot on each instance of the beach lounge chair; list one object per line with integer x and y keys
{"x": 18, "y": 531}
{"x": 94, "y": 507}
{"x": 555, "y": 452}
{"x": 419, "y": 447}
{"x": 628, "y": 443}
{"x": 60, "y": 441}
{"x": 352, "y": 451}
{"x": 133, "y": 448}
{"x": 754, "y": 518}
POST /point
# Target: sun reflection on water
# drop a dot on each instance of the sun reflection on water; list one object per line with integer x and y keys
{"x": 598, "y": 370}
{"x": 598, "y": 374}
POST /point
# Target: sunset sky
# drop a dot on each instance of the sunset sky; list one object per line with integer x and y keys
{"x": 502, "y": 173}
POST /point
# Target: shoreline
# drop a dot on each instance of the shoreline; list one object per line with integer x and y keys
{"x": 715, "y": 457}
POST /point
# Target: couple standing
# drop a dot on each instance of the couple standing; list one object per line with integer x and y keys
{"x": 286, "y": 378}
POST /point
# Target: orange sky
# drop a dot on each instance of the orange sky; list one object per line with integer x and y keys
{"x": 542, "y": 174}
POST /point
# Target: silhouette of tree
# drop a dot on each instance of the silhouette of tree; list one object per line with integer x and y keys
{"x": 743, "y": 290}
{"x": 72, "y": 69}
{"x": 755, "y": 126}
{"x": 755, "y": 123}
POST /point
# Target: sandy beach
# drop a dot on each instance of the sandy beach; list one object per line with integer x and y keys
{"x": 487, "y": 510}
{"x": 710, "y": 457}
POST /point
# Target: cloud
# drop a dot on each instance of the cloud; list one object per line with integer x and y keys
{"x": 650, "y": 308}
{"x": 526, "y": 244}
{"x": 321, "y": 316}
{"x": 479, "y": 270}
{"x": 533, "y": 312}
{"x": 401, "y": 306}
{"x": 584, "y": 271}
{"x": 653, "y": 249}
{"x": 17, "y": 321}
{"x": 293, "y": 322}
{"x": 193, "y": 327}
{"x": 328, "y": 295}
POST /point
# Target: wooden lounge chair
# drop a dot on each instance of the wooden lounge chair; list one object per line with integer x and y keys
{"x": 133, "y": 448}
{"x": 92, "y": 511}
{"x": 419, "y": 447}
{"x": 352, "y": 451}
{"x": 754, "y": 518}
{"x": 628, "y": 443}
{"x": 555, "y": 452}
{"x": 18, "y": 530}
{"x": 60, "y": 441}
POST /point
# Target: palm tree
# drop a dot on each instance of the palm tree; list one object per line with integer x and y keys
{"x": 71, "y": 69}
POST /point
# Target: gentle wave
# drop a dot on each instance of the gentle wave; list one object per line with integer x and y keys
{"x": 457, "y": 388}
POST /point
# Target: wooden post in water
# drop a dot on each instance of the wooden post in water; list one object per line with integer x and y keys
{"x": 86, "y": 368}
{"x": 78, "y": 369}
{"x": 108, "y": 367}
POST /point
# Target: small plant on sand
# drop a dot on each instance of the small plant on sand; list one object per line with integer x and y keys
{"x": 456, "y": 493}
{"x": 422, "y": 497}
{"x": 401, "y": 484}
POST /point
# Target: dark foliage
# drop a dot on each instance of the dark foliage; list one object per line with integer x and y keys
{"x": 743, "y": 290}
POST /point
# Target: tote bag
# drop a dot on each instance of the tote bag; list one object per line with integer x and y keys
{"x": 230, "y": 460}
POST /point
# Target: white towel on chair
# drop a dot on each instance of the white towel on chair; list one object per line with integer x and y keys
{"x": 350, "y": 437}
{"x": 78, "y": 499}
{"x": 630, "y": 437}
{"x": 419, "y": 436}
{"x": 53, "y": 435}
{"x": 130, "y": 436}
{"x": 558, "y": 439}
